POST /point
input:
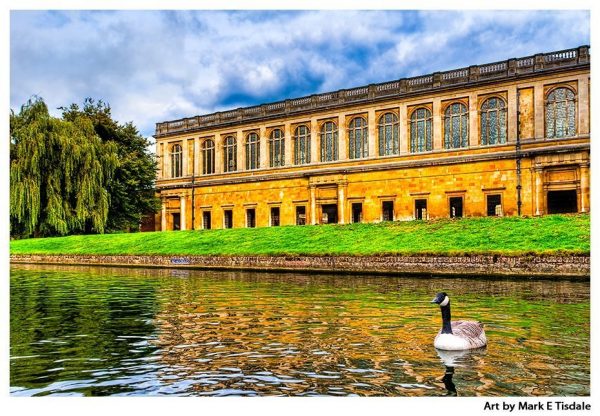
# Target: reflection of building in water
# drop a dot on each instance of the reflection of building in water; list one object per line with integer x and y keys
{"x": 269, "y": 341}
{"x": 484, "y": 140}
{"x": 300, "y": 347}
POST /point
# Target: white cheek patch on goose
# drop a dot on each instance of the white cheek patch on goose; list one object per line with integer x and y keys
{"x": 445, "y": 302}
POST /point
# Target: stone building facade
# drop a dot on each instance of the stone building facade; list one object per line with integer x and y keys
{"x": 506, "y": 138}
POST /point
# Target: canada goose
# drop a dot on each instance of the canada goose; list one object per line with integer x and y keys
{"x": 457, "y": 335}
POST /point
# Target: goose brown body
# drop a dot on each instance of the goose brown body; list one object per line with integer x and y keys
{"x": 468, "y": 334}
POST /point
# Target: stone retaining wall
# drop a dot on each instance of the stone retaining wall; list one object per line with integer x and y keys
{"x": 484, "y": 265}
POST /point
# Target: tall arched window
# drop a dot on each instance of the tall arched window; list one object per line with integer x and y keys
{"x": 358, "y": 138}
{"x": 493, "y": 121}
{"x": 456, "y": 126}
{"x": 208, "y": 157}
{"x": 329, "y": 142}
{"x": 388, "y": 135}
{"x": 420, "y": 130}
{"x": 301, "y": 145}
{"x": 276, "y": 148}
{"x": 176, "y": 161}
{"x": 230, "y": 154}
{"x": 252, "y": 151}
{"x": 560, "y": 113}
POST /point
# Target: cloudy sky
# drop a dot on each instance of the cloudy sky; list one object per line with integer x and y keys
{"x": 152, "y": 66}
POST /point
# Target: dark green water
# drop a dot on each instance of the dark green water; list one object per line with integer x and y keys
{"x": 108, "y": 331}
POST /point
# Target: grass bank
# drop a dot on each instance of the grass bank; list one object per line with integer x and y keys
{"x": 552, "y": 234}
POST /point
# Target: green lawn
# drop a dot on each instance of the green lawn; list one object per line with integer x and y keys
{"x": 512, "y": 236}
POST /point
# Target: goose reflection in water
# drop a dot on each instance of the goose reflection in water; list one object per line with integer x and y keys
{"x": 452, "y": 359}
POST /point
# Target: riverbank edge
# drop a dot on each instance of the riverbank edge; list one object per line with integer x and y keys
{"x": 527, "y": 266}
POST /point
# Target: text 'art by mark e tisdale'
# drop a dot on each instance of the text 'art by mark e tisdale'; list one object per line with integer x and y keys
{"x": 550, "y": 405}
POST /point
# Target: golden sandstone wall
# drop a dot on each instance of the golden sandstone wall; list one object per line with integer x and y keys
{"x": 472, "y": 174}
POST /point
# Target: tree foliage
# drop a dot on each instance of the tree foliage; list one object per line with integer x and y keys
{"x": 132, "y": 185}
{"x": 59, "y": 172}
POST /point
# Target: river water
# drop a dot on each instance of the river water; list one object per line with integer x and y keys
{"x": 130, "y": 331}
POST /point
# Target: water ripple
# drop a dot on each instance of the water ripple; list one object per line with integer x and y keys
{"x": 109, "y": 331}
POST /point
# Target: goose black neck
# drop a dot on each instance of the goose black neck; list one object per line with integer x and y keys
{"x": 446, "y": 326}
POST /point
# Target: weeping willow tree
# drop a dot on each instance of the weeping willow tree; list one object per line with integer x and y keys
{"x": 59, "y": 171}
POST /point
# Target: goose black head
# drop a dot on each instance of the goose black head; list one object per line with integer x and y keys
{"x": 441, "y": 299}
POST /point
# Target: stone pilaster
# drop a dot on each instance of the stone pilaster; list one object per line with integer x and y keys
{"x": 161, "y": 160}
{"x": 182, "y": 213}
{"x": 315, "y": 143}
{"x": 163, "y": 215}
{"x": 584, "y": 182}
{"x": 264, "y": 157}
{"x": 511, "y": 114}
{"x": 539, "y": 190}
{"x": 342, "y": 138}
{"x": 219, "y": 142}
{"x": 197, "y": 158}
{"x": 241, "y": 150}
{"x": 185, "y": 157}
{"x": 583, "y": 105}
{"x": 342, "y": 190}
{"x": 404, "y": 141}
{"x": 473, "y": 120}
{"x": 167, "y": 159}
{"x": 289, "y": 144}
{"x": 372, "y": 123}
{"x": 538, "y": 108}
{"x": 313, "y": 204}
{"x": 438, "y": 136}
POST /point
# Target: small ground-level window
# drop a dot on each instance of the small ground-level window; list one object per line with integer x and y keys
{"x": 206, "y": 224}
{"x": 357, "y": 212}
{"x": 176, "y": 221}
{"x": 494, "y": 205}
{"x": 562, "y": 202}
{"x": 301, "y": 215}
{"x": 275, "y": 216}
{"x": 251, "y": 218}
{"x": 387, "y": 211}
{"x": 228, "y": 218}
{"x": 420, "y": 209}
{"x": 456, "y": 206}
{"x": 329, "y": 212}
